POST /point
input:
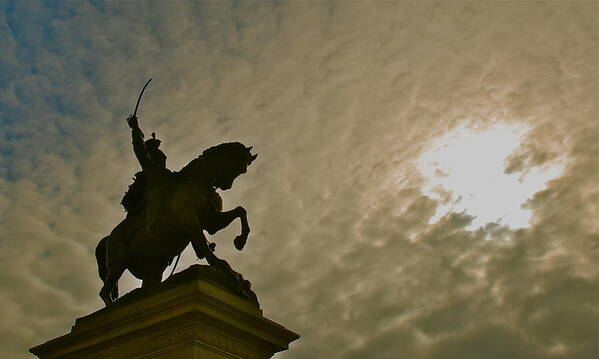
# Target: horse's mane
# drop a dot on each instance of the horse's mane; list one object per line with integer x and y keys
{"x": 216, "y": 153}
{"x": 188, "y": 168}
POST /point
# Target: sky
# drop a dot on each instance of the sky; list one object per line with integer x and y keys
{"x": 427, "y": 178}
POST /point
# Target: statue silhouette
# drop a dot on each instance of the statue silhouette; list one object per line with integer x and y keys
{"x": 168, "y": 210}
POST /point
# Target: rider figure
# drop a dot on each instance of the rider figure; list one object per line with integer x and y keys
{"x": 149, "y": 156}
{"x": 156, "y": 176}
{"x": 154, "y": 180}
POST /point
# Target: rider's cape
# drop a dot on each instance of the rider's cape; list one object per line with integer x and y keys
{"x": 134, "y": 198}
{"x": 148, "y": 193}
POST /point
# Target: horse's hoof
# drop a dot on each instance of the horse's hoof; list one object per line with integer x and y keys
{"x": 106, "y": 299}
{"x": 239, "y": 242}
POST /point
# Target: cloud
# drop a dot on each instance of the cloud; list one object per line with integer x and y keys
{"x": 339, "y": 100}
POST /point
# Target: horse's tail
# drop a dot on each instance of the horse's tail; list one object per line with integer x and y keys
{"x": 101, "y": 258}
{"x": 103, "y": 267}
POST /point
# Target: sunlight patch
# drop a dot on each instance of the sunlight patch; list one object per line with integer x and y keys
{"x": 465, "y": 172}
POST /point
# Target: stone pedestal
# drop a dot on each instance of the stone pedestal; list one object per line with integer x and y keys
{"x": 188, "y": 317}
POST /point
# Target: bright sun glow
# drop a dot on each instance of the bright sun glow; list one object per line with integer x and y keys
{"x": 465, "y": 171}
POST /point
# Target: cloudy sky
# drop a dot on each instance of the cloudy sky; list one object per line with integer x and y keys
{"x": 427, "y": 179}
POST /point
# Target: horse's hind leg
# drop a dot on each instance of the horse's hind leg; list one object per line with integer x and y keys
{"x": 114, "y": 294}
{"x": 110, "y": 284}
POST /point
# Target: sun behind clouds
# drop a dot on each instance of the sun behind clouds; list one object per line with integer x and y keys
{"x": 465, "y": 170}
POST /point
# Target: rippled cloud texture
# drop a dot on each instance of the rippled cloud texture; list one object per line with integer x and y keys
{"x": 339, "y": 100}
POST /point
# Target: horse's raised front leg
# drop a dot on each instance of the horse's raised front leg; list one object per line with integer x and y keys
{"x": 223, "y": 219}
{"x": 240, "y": 240}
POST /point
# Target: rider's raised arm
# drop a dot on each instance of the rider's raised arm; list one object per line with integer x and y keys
{"x": 138, "y": 144}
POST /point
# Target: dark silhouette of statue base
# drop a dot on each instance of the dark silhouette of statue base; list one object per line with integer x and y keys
{"x": 168, "y": 210}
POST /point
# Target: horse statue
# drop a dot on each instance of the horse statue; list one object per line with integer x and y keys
{"x": 177, "y": 207}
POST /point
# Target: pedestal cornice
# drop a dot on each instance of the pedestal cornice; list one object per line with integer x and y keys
{"x": 187, "y": 316}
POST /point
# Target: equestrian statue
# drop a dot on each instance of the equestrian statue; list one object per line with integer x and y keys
{"x": 167, "y": 210}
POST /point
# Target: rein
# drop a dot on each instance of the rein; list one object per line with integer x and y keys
{"x": 177, "y": 261}
{"x": 175, "y": 266}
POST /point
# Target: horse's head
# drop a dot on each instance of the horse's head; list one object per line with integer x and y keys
{"x": 223, "y": 163}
